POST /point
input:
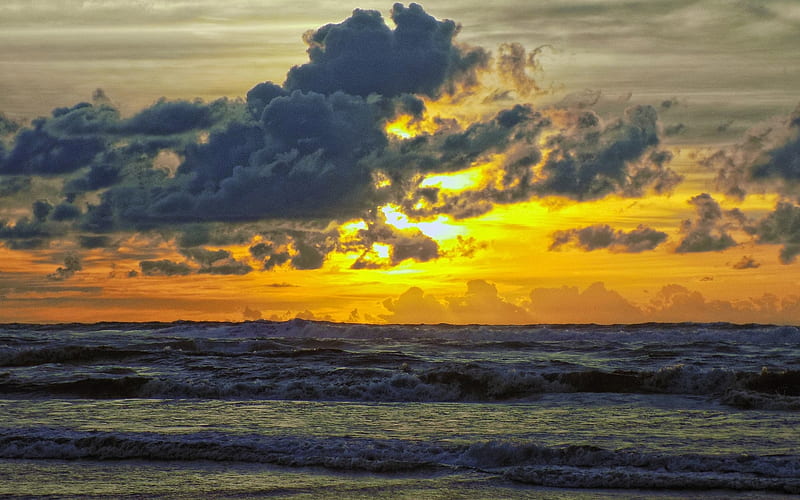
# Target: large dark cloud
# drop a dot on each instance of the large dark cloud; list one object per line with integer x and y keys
{"x": 604, "y": 236}
{"x": 362, "y": 56}
{"x": 595, "y": 161}
{"x": 310, "y": 150}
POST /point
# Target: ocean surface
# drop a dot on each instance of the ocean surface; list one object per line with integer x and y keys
{"x": 318, "y": 410}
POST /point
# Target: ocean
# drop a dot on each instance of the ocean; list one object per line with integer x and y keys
{"x": 312, "y": 410}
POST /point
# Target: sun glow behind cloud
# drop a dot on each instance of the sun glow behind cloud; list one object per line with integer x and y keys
{"x": 328, "y": 195}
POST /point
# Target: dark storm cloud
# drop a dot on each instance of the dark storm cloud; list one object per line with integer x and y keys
{"x": 74, "y": 137}
{"x": 708, "y": 231}
{"x": 168, "y": 118}
{"x": 261, "y": 250}
{"x": 301, "y": 160}
{"x": 603, "y": 236}
{"x": 312, "y": 149}
{"x": 41, "y": 209}
{"x": 24, "y": 228}
{"x": 362, "y": 56}
{"x": 618, "y": 158}
{"x": 586, "y": 160}
{"x": 205, "y": 257}
{"x": 36, "y": 151}
{"x": 215, "y": 261}
{"x": 262, "y": 94}
{"x": 65, "y": 211}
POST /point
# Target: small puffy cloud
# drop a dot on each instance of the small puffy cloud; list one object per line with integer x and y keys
{"x": 215, "y": 261}
{"x": 675, "y": 129}
{"x": 403, "y": 244}
{"x": 708, "y": 231}
{"x": 205, "y": 257}
{"x": 604, "y": 236}
{"x": 72, "y": 264}
{"x": 746, "y": 262}
{"x": 164, "y": 267}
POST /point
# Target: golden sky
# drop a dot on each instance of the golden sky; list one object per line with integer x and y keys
{"x": 556, "y": 162}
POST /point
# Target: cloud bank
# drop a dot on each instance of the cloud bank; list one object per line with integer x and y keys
{"x": 595, "y": 304}
{"x": 309, "y": 151}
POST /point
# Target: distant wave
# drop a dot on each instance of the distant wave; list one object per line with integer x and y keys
{"x": 321, "y": 329}
{"x": 572, "y": 466}
{"x": 451, "y": 382}
{"x": 746, "y": 366}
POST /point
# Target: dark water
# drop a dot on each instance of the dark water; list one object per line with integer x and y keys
{"x": 310, "y": 410}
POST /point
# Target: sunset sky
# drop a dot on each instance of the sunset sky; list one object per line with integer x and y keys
{"x": 460, "y": 161}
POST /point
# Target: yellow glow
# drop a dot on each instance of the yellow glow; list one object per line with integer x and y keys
{"x": 381, "y": 180}
{"x": 394, "y": 217}
{"x": 457, "y": 181}
{"x": 440, "y": 228}
{"x": 407, "y": 127}
{"x": 399, "y": 128}
{"x": 349, "y": 230}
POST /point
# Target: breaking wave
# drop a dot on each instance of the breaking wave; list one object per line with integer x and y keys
{"x": 572, "y": 466}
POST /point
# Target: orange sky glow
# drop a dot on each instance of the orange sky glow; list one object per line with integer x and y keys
{"x": 505, "y": 187}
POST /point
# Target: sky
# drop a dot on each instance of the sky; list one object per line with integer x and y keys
{"x": 518, "y": 162}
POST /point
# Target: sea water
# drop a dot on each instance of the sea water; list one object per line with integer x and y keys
{"x": 318, "y": 410}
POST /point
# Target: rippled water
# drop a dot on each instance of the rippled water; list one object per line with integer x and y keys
{"x": 310, "y": 410}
